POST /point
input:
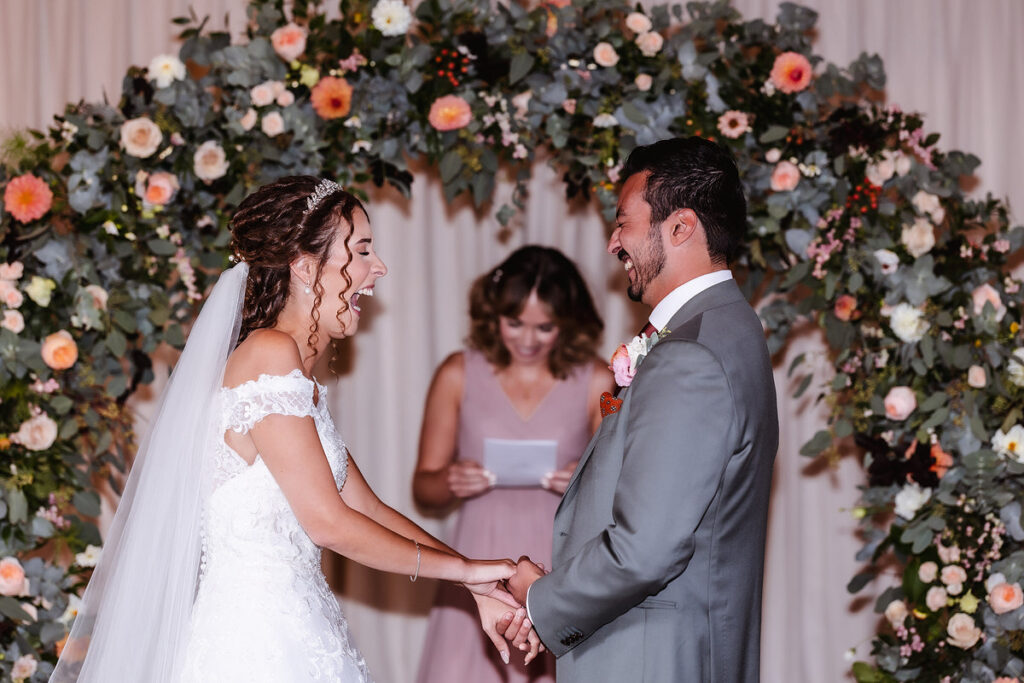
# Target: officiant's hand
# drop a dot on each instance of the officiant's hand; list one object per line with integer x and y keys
{"x": 558, "y": 480}
{"x": 526, "y": 573}
{"x": 467, "y": 479}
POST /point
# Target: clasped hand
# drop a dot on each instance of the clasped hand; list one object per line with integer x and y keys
{"x": 502, "y": 625}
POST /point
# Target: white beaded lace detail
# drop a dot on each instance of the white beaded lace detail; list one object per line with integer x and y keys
{"x": 264, "y": 612}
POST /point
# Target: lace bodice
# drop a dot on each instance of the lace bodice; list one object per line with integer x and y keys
{"x": 264, "y": 611}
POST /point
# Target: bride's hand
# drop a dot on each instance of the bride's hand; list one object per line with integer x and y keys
{"x": 483, "y": 577}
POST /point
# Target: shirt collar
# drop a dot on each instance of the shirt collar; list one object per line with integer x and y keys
{"x": 678, "y": 297}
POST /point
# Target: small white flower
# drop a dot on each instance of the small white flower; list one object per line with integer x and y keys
{"x": 910, "y": 499}
{"x": 888, "y": 260}
{"x": 88, "y": 557}
{"x": 908, "y": 323}
{"x": 605, "y": 121}
{"x": 74, "y": 604}
{"x": 353, "y": 122}
{"x": 361, "y": 146}
{"x": 165, "y": 69}
{"x": 391, "y": 17}
{"x": 1015, "y": 366}
{"x": 1011, "y": 443}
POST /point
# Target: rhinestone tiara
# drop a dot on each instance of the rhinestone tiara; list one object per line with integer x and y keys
{"x": 323, "y": 189}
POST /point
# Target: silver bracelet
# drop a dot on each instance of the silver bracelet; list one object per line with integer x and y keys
{"x": 418, "y": 555}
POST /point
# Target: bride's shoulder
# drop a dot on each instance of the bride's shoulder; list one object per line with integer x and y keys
{"x": 264, "y": 352}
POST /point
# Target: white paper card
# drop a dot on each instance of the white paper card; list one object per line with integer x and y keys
{"x": 516, "y": 462}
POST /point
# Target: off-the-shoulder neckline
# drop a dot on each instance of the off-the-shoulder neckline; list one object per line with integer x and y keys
{"x": 297, "y": 373}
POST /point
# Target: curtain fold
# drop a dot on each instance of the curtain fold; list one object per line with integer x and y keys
{"x": 958, "y": 62}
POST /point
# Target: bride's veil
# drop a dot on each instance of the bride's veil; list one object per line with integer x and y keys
{"x": 135, "y": 613}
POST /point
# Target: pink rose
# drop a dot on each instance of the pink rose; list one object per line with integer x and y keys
{"x": 10, "y": 295}
{"x": 99, "y": 296}
{"x": 12, "y": 271}
{"x": 643, "y": 82}
{"x": 24, "y": 667}
{"x": 1006, "y": 597}
{"x": 845, "y": 306}
{"x": 900, "y": 402}
{"x": 272, "y": 124}
{"x": 248, "y": 120}
{"x": 12, "y": 577}
{"x": 948, "y": 554}
{"x": 289, "y": 41}
{"x": 785, "y": 177}
{"x": 953, "y": 574}
{"x": 140, "y": 137}
{"x": 621, "y": 367}
{"x": 962, "y": 631}
{"x": 569, "y": 106}
{"x": 928, "y": 571}
{"x": 159, "y": 188}
{"x": 36, "y": 433}
{"x": 262, "y": 94}
{"x": 896, "y": 612}
{"x": 605, "y": 54}
{"x": 936, "y": 598}
{"x": 986, "y": 293}
{"x": 13, "y": 321}
{"x": 638, "y": 23}
{"x": 650, "y": 43}
{"x": 285, "y": 98}
{"x": 976, "y": 377}
{"x": 210, "y": 162}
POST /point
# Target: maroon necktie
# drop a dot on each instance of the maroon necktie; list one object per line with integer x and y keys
{"x": 648, "y": 330}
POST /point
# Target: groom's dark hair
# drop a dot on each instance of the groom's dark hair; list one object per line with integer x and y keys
{"x": 694, "y": 173}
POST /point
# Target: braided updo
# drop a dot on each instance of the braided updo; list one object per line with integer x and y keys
{"x": 271, "y": 229}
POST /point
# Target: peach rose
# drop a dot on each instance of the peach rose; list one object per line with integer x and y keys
{"x": 210, "y": 161}
{"x": 942, "y": 461}
{"x": 140, "y": 137}
{"x": 36, "y": 433}
{"x": 953, "y": 574}
{"x": 919, "y": 237}
{"x": 248, "y": 120}
{"x": 24, "y": 667}
{"x": 896, "y": 612}
{"x": 10, "y": 295}
{"x": 12, "y": 271}
{"x": 159, "y": 189}
{"x": 650, "y": 43}
{"x": 936, "y": 598}
{"x": 986, "y": 293}
{"x": 289, "y": 41}
{"x": 643, "y": 82}
{"x": 845, "y": 307}
{"x": 605, "y": 54}
{"x": 791, "y": 72}
{"x": 927, "y": 571}
{"x": 263, "y": 94}
{"x": 962, "y": 631}
{"x": 450, "y": 112}
{"x": 785, "y": 177}
{"x": 900, "y": 402}
{"x": 1006, "y": 597}
{"x": 12, "y": 577}
{"x": 13, "y": 321}
{"x": 285, "y": 98}
{"x": 976, "y": 377}
{"x": 59, "y": 350}
{"x": 272, "y": 124}
{"x": 638, "y": 23}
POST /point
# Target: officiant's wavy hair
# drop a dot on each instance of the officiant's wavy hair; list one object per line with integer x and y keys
{"x": 271, "y": 228}
{"x": 503, "y": 291}
{"x": 697, "y": 174}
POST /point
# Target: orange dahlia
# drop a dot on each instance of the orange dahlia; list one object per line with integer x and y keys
{"x": 27, "y": 198}
{"x": 791, "y": 72}
{"x": 331, "y": 97}
{"x": 450, "y": 112}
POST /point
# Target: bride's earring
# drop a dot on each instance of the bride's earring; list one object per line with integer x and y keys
{"x": 307, "y": 290}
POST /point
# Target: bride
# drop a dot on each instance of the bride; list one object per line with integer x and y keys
{"x": 211, "y": 570}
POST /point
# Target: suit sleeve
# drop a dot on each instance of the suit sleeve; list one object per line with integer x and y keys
{"x": 680, "y": 424}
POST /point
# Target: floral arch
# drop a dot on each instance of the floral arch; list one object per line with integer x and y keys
{"x": 113, "y": 224}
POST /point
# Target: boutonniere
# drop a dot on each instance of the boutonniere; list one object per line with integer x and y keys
{"x": 627, "y": 358}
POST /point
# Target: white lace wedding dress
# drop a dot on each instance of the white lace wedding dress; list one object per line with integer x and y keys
{"x": 264, "y": 612}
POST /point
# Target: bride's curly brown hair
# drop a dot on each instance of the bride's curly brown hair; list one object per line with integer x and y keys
{"x": 271, "y": 229}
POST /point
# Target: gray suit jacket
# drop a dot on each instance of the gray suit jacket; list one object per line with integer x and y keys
{"x": 659, "y": 539}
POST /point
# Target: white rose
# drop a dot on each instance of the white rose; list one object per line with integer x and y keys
{"x": 391, "y": 17}
{"x": 643, "y": 82}
{"x": 984, "y": 294}
{"x": 976, "y": 377}
{"x": 12, "y": 577}
{"x": 902, "y": 164}
{"x": 88, "y": 557}
{"x": 1010, "y": 444}
{"x": 638, "y": 23}
{"x": 908, "y": 323}
{"x": 900, "y": 402}
{"x": 936, "y": 598}
{"x": 650, "y": 43}
{"x": 24, "y": 667}
{"x": 962, "y": 631}
{"x": 99, "y": 296}
{"x": 926, "y": 203}
{"x": 1015, "y": 366}
{"x": 210, "y": 161}
{"x": 910, "y": 499}
{"x": 165, "y": 69}
{"x": 918, "y": 238}
{"x": 880, "y": 171}
{"x": 272, "y": 124}
{"x": 888, "y": 260}
{"x": 896, "y": 612}
{"x": 605, "y": 121}
{"x": 927, "y": 571}
{"x": 36, "y": 433}
{"x": 521, "y": 102}
{"x": 140, "y": 137}
{"x": 262, "y": 94}
{"x": 605, "y": 54}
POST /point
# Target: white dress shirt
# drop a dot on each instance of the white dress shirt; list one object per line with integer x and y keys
{"x": 663, "y": 312}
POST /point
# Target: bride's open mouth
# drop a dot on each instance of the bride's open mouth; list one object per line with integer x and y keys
{"x": 365, "y": 291}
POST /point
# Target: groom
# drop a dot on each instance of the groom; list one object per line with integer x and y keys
{"x": 659, "y": 539}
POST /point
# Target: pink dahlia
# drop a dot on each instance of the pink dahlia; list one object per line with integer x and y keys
{"x": 27, "y": 198}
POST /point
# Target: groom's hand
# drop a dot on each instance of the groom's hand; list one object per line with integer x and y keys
{"x": 526, "y": 573}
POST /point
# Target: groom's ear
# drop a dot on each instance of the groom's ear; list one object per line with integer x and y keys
{"x": 683, "y": 224}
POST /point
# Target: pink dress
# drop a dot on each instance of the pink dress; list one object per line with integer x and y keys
{"x": 502, "y": 522}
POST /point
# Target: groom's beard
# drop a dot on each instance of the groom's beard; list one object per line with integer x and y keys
{"x": 647, "y": 265}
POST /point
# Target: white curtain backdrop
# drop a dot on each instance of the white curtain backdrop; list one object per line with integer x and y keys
{"x": 959, "y": 61}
